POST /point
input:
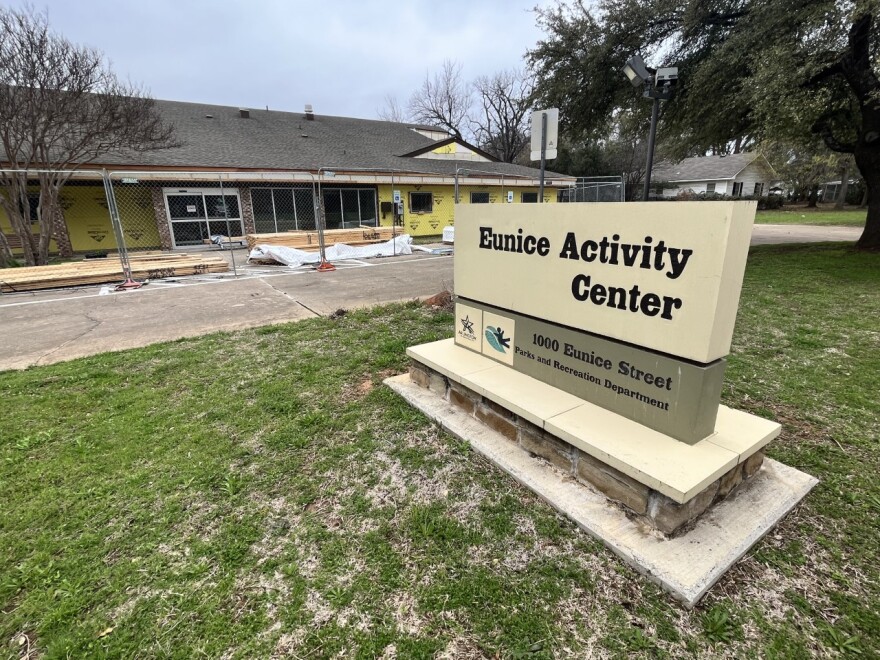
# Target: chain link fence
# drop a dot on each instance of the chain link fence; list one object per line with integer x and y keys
{"x": 125, "y": 214}
{"x": 595, "y": 189}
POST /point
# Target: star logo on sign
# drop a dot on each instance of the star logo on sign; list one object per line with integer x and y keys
{"x": 467, "y": 326}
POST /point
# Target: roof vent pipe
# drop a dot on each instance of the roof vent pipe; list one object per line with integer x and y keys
{"x": 244, "y": 113}
{"x": 310, "y": 114}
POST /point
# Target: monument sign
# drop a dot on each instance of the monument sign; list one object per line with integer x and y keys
{"x": 628, "y": 306}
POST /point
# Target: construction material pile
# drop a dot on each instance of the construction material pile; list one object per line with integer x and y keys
{"x": 103, "y": 271}
{"x": 337, "y": 252}
{"x": 308, "y": 240}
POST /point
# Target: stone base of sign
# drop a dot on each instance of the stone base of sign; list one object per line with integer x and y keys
{"x": 750, "y": 497}
{"x": 570, "y": 427}
{"x": 659, "y": 510}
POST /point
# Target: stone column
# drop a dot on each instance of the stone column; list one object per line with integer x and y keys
{"x": 247, "y": 209}
{"x": 161, "y": 217}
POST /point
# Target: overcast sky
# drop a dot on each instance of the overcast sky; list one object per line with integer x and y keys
{"x": 342, "y": 56}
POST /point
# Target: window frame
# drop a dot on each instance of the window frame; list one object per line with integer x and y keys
{"x": 710, "y": 187}
{"x": 203, "y": 218}
{"x": 430, "y": 208}
{"x": 522, "y": 198}
{"x": 480, "y": 192}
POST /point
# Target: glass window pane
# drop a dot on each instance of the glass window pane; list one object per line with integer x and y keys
{"x": 305, "y": 208}
{"x": 332, "y": 208}
{"x": 284, "y": 214}
{"x": 185, "y": 206}
{"x": 530, "y": 198}
{"x": 214, "y": 204}
{"x": 351, "y": 216}
{"x": 189, "y": 233}
{"x": 479, "y": 198}
{"x": 421, "y": 202}
{"x": 264, "y": 220}
{"x": 368, "y": 207}
{"x": 228, "y": 228}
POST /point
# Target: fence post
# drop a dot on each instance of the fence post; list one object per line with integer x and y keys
{"x": 128, "y": 283}
{"x": 324, "y": 266}
{"x": 228, "y": 232}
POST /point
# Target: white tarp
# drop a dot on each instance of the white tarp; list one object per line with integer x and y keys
{"x": 294, "y": 258}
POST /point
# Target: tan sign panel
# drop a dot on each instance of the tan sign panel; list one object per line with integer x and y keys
{"x": 666, "y": 276}
{"x": 676, "y": 397}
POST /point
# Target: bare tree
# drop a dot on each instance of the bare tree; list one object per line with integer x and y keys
{"x": 443, "y": 100}
{"x": 61, "y": 107}
{"x": 392, "y": 110}
{"x": 501, "y": 124}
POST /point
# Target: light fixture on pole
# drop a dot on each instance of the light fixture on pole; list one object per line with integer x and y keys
{"x": 658, "y": 85}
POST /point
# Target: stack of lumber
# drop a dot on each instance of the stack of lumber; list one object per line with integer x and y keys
{"x": 103, "y": 271}
{"x": 306, "y": 240}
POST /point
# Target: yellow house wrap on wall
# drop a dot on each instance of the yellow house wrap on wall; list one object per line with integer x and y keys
{"x": 442, "y": 206}
{"x": 88, "y": 218}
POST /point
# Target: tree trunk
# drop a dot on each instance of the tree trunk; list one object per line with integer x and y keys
{"x": 60, "y": 233}
{"x": 868, "y": 162}
{"x": 5, "y": 251}
{"x": 843, "y": 189}
{"x": 813, "y": 196}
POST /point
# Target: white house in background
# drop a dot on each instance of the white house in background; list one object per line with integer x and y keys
{"x": 736, "y": 175}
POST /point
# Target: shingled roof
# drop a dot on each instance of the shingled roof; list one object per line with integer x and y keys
{"x": 705, "y": 168}
{"x": 215, "y": 137}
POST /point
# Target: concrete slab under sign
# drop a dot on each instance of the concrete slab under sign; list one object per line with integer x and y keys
{"x": 686, "y": 566}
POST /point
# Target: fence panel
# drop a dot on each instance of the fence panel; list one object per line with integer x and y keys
{"x": 79, "y": 222}
{"x": 595, "y": 189}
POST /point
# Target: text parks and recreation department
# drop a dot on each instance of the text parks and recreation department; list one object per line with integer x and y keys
{"x": 624, "y": 368}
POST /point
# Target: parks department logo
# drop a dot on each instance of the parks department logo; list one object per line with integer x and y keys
{"x": 499, "y": 337}
{"x": 497, "y": 340}
{"x": 467, "y": 327}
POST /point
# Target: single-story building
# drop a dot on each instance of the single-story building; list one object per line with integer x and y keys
{"x": 734, "y": 175}
{"x": 274, "y": 166}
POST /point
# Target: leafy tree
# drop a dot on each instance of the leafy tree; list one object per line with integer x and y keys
{"x": 750, "y": 70}
{"x": 803, "y": 167}
{"x": 60, "y": 108}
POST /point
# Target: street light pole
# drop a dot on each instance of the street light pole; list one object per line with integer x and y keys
{"x": 652, "y": 136}
{"x": 658, "y": 84}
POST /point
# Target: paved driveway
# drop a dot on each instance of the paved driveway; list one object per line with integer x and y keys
{"x": 52, "y": 326}
{"x": 766, "y": 234}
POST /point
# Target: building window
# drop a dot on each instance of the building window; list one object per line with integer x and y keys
{"x": 737, "y": 189}
{"x": 479, "y": 198}
{"x": 421, "y": 202}
{"x": 759, "y": 189}
{"x": 283, "y": 209}
{"x": 529, "y": 198}
{"x": 199, "y": 213}
{"x": 710, "y": 187}
{"x": 350, "y": 207}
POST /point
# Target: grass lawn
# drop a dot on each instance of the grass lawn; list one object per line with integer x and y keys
{"x": 801, "y": 215}
{"x": 261, "y": 493}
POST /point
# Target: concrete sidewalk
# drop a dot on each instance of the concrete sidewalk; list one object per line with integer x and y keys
{"x": 777, "y": 234}
{"x": 53, "y": 326}
{"x": 56, "y": 325}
